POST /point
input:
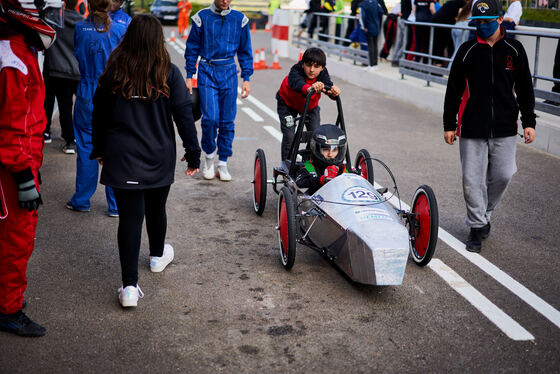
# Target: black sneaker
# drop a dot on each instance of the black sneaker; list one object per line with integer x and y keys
{"x": 485, "y": 231}
{"x": 47, "y": 137}
{"x": 474, "y": 241}
{"x": 69, "y": 148}
{"x": 19, "y": 324}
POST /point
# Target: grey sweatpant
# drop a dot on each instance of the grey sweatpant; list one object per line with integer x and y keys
{"x": 488, "y": 166}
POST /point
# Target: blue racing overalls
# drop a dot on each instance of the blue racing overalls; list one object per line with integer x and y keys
{"x": 217, "y": 36}
{"x": 92, "y": 49}
{"x": 120, "y": 17}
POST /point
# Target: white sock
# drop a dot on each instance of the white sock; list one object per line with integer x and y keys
{"x": 210, "y": 156}
{"x": 222, "y": 163}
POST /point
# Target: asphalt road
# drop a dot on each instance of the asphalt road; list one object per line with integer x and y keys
{"x": 227, "y": 305}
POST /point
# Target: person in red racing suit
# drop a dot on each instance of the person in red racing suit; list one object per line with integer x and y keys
{"x": 22, "y": 122}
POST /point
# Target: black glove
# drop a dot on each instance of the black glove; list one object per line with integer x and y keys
{"x": 28, "y": 196}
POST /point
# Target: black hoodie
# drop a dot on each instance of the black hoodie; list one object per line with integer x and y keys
{"x": 59, "y": 58}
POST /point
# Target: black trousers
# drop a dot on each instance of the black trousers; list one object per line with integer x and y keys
{"x": 312, "y": 25}
{"x": 390, "y": 30}
{"x": 133, "y": 205}
{"x": 556, "y": 68}
{"x": 312, "y": 121}
{"x": 64, "y": 90}
{"x": 372, "y": 49}
{"x": 349, "y": 28}
{"x": 442, "y": 41}
{"x": 422, "y": 36}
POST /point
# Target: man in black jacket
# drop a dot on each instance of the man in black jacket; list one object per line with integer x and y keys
{"x": 489, "y": 84}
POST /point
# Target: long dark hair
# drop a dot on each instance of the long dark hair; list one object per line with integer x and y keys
{"x": 99, "y": 14}
{"x": 140, "y": 62}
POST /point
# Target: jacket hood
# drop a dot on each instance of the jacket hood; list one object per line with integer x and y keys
{"x": 71, "y": 17}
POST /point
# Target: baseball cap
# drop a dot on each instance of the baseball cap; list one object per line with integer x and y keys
{"x": 486, "y": 9}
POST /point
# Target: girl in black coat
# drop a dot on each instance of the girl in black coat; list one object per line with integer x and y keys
{"x": 139, "y": 95}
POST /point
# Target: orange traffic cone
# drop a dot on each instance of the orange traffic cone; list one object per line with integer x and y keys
{"x": 257, "y": 61}
{"x": 194, "y": 77}
{"x": 263, "y": 60}
{"x": 185, "y": 35}
{"x": 172, "y": 38}
{"x": 267, "y": 27}
{"x": 254, "y": 27}
{"x": 300, "y": 55}
{"x": 275, "y": 64}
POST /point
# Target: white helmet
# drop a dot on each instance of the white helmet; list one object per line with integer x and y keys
{"x": 34, "y": 18}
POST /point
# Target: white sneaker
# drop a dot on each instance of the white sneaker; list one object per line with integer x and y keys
{"x": 157, "y": 264}
{"x": 223, "y": 173}
{"x": 208, "y": 172}
{"x": 129, "y": 295}
{"x": 371, "y": 69}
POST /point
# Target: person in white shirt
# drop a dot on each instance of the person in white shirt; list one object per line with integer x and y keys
{"x": 513, "y": 15}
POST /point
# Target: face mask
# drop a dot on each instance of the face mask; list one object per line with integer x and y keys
{"x": 486, "y": 30}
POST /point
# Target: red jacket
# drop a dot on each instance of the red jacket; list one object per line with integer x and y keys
{"x": 22, "y": 113}
{"x": 294, "y": 87}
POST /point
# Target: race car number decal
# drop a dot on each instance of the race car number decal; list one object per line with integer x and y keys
{"x": 359, "y": 195}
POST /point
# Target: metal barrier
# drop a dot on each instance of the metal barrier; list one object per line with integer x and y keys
{"x": 419, "y": 69}
{"x": 430, "y": 73}
{"x": 343, "y": 49}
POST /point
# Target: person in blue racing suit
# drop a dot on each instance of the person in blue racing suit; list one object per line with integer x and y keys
{"x": 117, "y": 14}
{"x": 94, "y": 40}
{"x": 218, "y": 33}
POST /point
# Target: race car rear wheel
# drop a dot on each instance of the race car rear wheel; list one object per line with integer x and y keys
{"x": 424, "y": 205}
{"x": 287, "y": 228}
{"x": 363, "y": 162}
{"x": 259, "y": 182}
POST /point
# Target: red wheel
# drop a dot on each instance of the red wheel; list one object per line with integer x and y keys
{"x": 287, "y": 228}
{"x": 425, "y": 229}
{"x": 364, "y": 164}
{"x": 259, "y": 182}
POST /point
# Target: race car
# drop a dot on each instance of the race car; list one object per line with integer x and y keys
{"x": 348, "y": 220}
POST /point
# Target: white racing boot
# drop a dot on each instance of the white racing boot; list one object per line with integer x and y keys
{"x": 208, "y": 171}
{"x": 223, "y": 172}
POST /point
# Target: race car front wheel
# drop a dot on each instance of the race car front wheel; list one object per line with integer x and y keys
{"x": 259, "y": 182}
{"x": 426, "y": 223}
{"x": 287, "y": 228}
{"x": 364, "y": 164}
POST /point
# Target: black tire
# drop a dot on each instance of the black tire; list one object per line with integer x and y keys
{"x": 259, "y": 182}
{"x": 363, "y": 162}
{"x": 423, "y": 243}
{"x": 287, "y": 228}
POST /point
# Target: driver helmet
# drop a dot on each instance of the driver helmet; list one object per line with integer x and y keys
{"x": 328, "y": 136}
{"x": 35, "y": 19}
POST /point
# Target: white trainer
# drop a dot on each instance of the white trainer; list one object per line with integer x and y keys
{"x": 158, "y": 264}
{"x": 223, "y": 173}
{"x": 129, "y": 295}
{"x": 208, "y": 172}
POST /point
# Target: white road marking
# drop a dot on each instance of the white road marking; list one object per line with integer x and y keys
{"x": 504, "y": 322}
{"x": 239, "y": 102}
{"x": 274, "y": 132}
{"x": 251, "y": 113}
{"x": 504, "y": 279}
{"x": 181, "y": 44}
{"x": 261, "y": 106}
{"x": 537, "y": 303}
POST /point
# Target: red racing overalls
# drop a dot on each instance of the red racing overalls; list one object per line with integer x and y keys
{"x": 22, "y": 122}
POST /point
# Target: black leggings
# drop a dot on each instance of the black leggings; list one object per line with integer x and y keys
{"x": 133, "y": 205}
